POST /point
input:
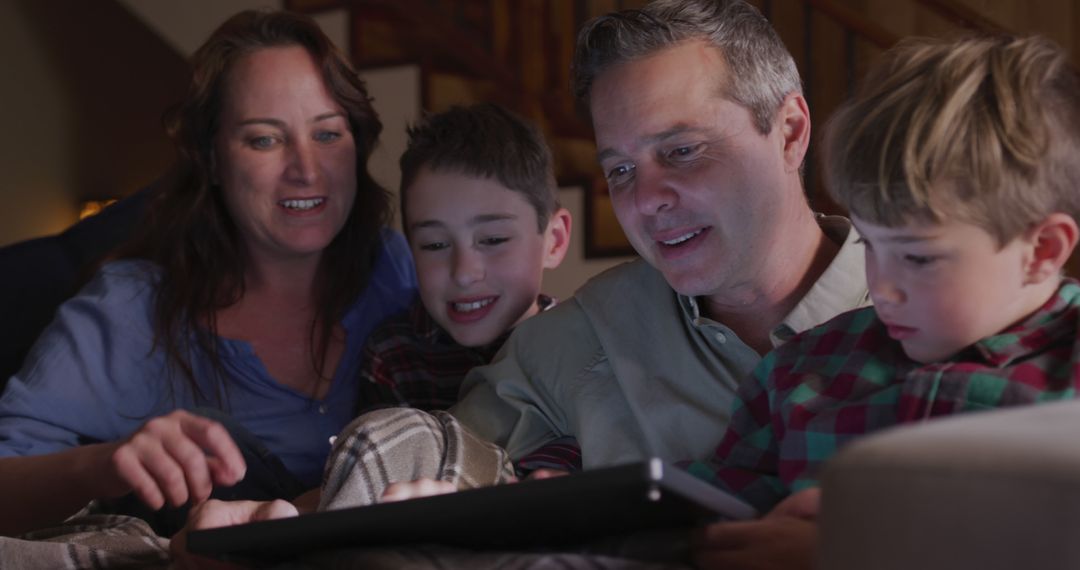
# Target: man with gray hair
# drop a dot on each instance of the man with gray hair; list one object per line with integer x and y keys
{"x": 701, "y": 129}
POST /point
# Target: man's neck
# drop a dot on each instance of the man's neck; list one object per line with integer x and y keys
{"x": 753, "y": 309}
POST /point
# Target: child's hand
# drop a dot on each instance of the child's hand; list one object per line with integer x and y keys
{"x": 214, "y": 514}
{"x": 774, "y": 542}
{"x": 415, "y": 489}
{"x": 805, "y": 505}
{"x": 546, "y": 474}
{"x": 175, "y": 458}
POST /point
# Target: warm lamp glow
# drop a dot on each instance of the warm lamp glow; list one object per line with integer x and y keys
{"x": 92, "y": 207}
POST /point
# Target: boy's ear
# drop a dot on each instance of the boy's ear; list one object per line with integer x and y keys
{"x": 794, "y": 123}
{"x": 557, "y": 238}
{"x": 1052, "y": 240}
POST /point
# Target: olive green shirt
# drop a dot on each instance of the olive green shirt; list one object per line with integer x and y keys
{"x": 632, "y": 369}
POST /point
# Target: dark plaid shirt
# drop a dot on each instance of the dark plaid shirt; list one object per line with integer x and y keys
{"x": 411, "y": 361}
{"x": 847, "y": 377}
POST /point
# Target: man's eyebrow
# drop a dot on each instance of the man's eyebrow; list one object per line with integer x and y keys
{"x": 676, "y": 130}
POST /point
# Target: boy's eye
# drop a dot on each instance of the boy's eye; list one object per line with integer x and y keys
{"x": 921, "y": 260}
{"x": 327, "y": 136}
{"x": 434, "y": 246}
{"x": 494, "y": 240}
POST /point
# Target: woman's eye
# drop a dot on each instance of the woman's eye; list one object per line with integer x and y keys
{"x": 262, "y": 143}
{"x": 327, "y": 136}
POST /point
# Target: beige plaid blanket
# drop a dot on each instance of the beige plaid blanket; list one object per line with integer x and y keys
{"x": 87, "y": 541}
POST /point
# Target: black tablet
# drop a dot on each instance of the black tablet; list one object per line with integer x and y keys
{"x": 548, "y": 513}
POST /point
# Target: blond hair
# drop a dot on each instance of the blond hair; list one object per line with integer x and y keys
{"x": 984, "y": 129}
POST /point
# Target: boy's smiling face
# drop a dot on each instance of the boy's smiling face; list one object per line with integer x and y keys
{"x": 479, "y": 254}
{"x": 940, "y": 288}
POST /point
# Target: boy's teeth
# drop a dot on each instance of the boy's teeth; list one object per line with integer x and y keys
{"x": 301, "y": 204}
{"x": 681, "y": 238}
{"x": 468, "y": 307}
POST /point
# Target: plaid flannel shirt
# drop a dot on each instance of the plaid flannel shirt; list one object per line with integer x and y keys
{"x": 847, "y": 378}
{"x": 411, "y": 361}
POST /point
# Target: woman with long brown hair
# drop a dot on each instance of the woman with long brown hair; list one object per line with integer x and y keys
{"x": 257, "y": 277}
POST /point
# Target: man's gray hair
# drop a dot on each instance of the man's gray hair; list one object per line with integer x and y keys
{"x": 761, "y": 72}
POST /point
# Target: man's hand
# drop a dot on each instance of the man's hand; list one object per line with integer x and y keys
{"x": 785, "y": 538}
{"x": 215, "y": 513}
{"x": 176, "y": 458}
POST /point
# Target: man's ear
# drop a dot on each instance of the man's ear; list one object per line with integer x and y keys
{"x": 793, "y": 120}
{"x": 1052, "y": 241}
{"x": 557, "y": 238}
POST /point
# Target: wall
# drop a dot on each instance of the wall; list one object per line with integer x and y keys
{"x": 35, "y": 156}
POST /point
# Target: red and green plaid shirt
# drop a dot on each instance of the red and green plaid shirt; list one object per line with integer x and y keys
{"x": 847, "y": 378}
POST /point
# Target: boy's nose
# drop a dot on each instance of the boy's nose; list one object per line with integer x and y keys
{"x": 884, "y": 291}
{"x": 468, "y": 267}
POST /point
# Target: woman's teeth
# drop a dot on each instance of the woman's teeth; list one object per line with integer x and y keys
{"x": 302, "y": 204}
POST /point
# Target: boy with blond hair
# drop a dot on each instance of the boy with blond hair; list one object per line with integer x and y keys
{"x": 958, "y": 164}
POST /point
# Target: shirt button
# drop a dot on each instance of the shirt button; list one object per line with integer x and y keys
{"x": 322, "y": 408}
{"x": 721, "y": 338}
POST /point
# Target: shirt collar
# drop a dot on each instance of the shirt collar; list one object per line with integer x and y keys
{"x": 841, "y": 288}
{"x": 1053, "y": 321}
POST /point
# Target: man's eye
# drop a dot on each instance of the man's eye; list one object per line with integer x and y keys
{"x": 327, "y": 136}
{"x": 685, "y": 152}
{"x": 620, "y": 174}
{"x": 434, "y": 246}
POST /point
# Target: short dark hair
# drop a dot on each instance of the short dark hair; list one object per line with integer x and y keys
{"x": 486, "y": 141}
{"x": 760, "y": 70}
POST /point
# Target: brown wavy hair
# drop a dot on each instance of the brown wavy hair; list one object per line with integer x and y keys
{"x": 188, "y": 231}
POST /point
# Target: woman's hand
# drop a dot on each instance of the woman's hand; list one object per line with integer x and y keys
{"x": 176, "y": 458}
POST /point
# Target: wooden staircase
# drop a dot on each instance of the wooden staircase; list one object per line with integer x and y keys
{"x": 517, "y": 53}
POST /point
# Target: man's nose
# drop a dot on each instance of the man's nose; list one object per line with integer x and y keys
{"x": 653, "y": 191}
